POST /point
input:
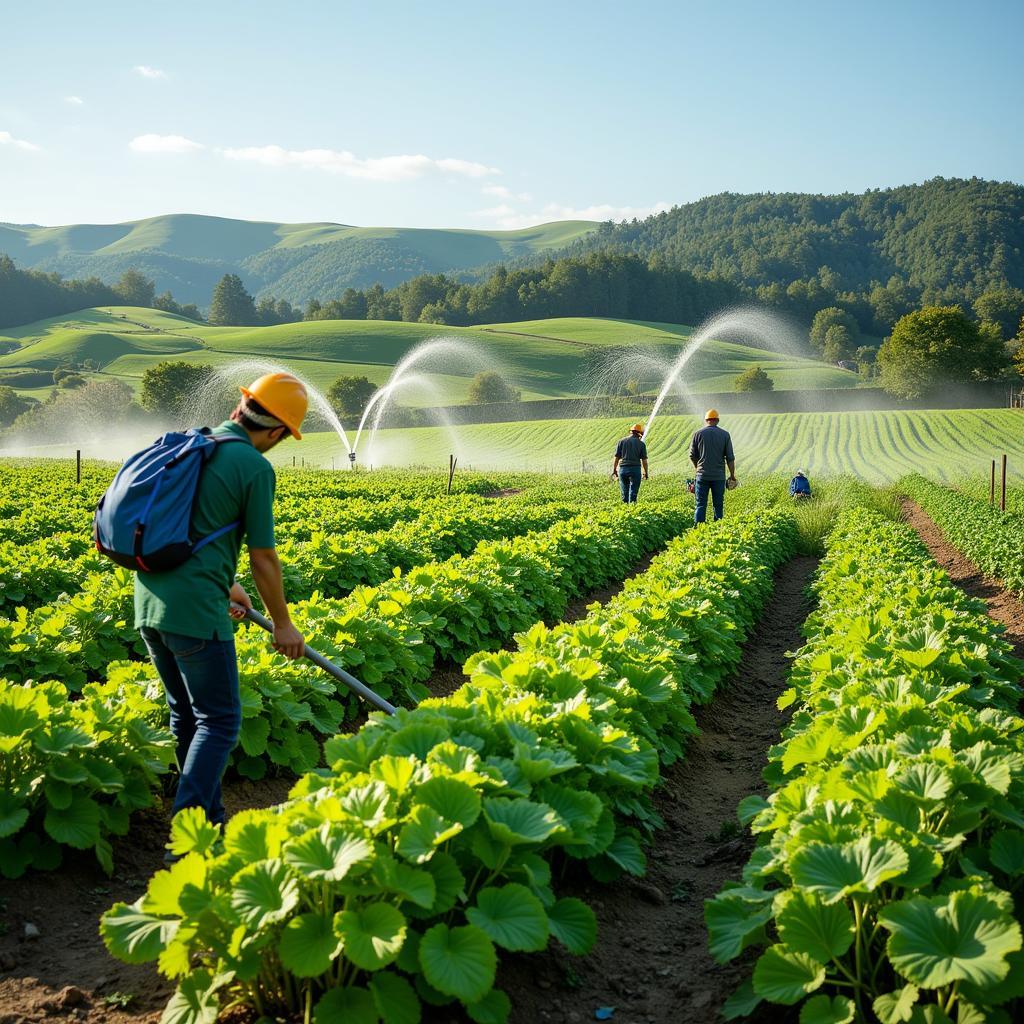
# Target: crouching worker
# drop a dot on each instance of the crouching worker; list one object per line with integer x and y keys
{"x": 183, "y": 613}
{"x": 800, "y": 486}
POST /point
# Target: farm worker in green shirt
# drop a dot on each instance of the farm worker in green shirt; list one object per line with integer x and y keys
{"x": 183, "y": 614}
{"x": 630, "y": 459}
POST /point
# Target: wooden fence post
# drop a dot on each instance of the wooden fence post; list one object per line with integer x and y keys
{"x": 78, "y": 465}
{"x": 452, "y": 462}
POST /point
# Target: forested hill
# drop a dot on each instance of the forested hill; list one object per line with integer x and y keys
{"x": 948, "y": 238}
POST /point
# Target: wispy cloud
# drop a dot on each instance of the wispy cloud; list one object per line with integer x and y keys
{"x": 384, "y": 168}
{"x": 505, "y": 216}
{"x": 7, "y": 139}
{"x": 501, "y": 192}
{"x": 147, "y": 72}
{"x": 163, "y": 144}
{"x": 75, "y": 101}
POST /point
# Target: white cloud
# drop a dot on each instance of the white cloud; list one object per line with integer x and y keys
{"x": 506, "y": 193}
{"x": 384, "y": 168}
{"x": 7, "y": 139}
{"x": 75, "y": 101}
{"x": 147, "y": 72}
{"x": 505, "y": 216}
{"x": 163, "y": 144}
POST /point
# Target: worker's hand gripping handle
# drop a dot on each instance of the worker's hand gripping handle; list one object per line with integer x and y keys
{"x": 328, "y": 666}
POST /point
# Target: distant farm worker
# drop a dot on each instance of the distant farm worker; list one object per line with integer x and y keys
{"x": 711, "y": 452}
{"x": 630, "y": 462}
{"x": 800, "y": 486}
{"x": 183, "y": 614}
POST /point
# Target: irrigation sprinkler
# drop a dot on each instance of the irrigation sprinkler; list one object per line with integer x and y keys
{"x": 361, "y": 689}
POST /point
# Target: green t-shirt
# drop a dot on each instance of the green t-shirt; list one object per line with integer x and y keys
{"x": 237, "y": 483}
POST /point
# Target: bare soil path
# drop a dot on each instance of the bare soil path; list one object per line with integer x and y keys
{"x": 651, "y": 962}
{"x": 1003, "y": 606}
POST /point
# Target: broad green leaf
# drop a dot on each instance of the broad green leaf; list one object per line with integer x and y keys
{"x": 165, "y": 888}
{"x": 459, "y": 962}
{"x": 512, "y": 916}
{"x": 925, "y": 781}
{"x": 964, "y": 936}
{"x": 896, "y": 1007}
{"x": 822, "y": 1010}
{"x": 494, "y": 1008}
{"x": 326, "y": 854}
{"x": 191, "y": 832}
{"x": 76, "y": 825}
{"x": 371, "y": 804}
{"x": 834, "y": 870}
{"x": 194, "y": 1001}
{"x": 308, "y": 944}
{"x": 519, "y": 821}
{"x": 453, "y": 800}
{"x": 807, "y": 925}
{"x": 1007, "y": 851}
{"x": 781, "y": 976}
{"x": 13, "y": 814}
{"x": 743, "y": 1002}
{"x": 573, "y": 923}
{"x": 395, "y": 999}
{"x": 625, "y": 851}
{"x": 449, "y": 882}
{"x": 372, "y": 934}
{"x": 423, "y": 833}
{"x": 134, "y": 936}
{"x": 264, "y": 893}
{"x": 733, "y": 924}
{"x": 352, "y": 1005}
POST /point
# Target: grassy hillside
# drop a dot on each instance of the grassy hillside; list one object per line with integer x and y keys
{"x": 545, "y": 358}
{"x": 187, "y": 253}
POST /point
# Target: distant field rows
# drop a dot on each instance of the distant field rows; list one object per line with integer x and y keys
{"x": 951, "y": 446}
{"x": 945, "y": 445}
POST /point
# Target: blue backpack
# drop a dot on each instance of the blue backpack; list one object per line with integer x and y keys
{"x": 144, "y": 520}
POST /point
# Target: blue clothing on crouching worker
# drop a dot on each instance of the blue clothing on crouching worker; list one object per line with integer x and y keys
{"x": 799, "y": 485}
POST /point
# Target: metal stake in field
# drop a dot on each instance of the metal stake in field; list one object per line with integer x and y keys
{"x": 78, "y": 465}
{"x": 452, "y": 463}
{"x": 361, "y": 689}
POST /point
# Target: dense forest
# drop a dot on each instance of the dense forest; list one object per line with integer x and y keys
{"x": 875, "y": 257}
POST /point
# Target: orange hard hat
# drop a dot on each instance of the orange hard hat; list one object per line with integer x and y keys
{"x": 711, "y": 414}
{"x": 637, "y": 428}
{"x": 284, "y": 396}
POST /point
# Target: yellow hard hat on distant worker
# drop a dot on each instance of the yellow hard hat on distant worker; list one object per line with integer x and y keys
{"x": 711, "y": 414}
{"x": 283, "y": 396}
{"x": 637, "y": 428}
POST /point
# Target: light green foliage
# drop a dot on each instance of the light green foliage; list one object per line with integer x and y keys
{"x": 401, "y": 872}
{"x": 893, "y": 840}
{"x": 73, "y": 772}
{"x": 991, "y": 539}
{"x": 754, "y": 379}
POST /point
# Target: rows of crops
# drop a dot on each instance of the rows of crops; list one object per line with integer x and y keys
{"x": 887, "y": 875}
{"x": 430, "y": 845}
{"x": 992, "y": 539}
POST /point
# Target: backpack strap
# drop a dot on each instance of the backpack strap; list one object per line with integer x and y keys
{"x": 217, "y": 439}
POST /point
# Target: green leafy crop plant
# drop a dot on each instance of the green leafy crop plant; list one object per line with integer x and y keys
{"x": 887, "y": 878}
{"x": 991, "y": 539}
{"x": 398, "y": 875}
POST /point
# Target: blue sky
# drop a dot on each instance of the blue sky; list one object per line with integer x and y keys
{"x": 454, "y": 114}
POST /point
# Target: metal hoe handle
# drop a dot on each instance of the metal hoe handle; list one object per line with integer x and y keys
{"x": 328, "y": 666}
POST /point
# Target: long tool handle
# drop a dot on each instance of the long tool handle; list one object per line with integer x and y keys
{"x": 328, "y": 666}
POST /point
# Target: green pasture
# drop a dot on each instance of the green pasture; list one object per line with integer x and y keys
{"x": 951, "y": 446}
{"x": 545, "y": 358}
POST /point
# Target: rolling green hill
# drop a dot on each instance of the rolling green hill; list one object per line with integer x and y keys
{"x": 544, "y": 358}
{"x": 188, "y": 253}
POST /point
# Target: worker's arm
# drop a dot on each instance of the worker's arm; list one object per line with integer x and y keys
{"x": 615, "y": 466}
{"x": 643, "y": 462}
{"x": 266, "y": 572}
{"x": 694, "y": 452}
{"x": 731, "y": 463}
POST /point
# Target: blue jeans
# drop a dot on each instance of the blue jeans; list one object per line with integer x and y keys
{"x": 716, "y": 488}
{"x": 200, "y": 679}
{"x": 629, "y": 482}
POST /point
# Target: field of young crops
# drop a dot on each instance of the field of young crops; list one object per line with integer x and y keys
{"x": 553, "y": 655}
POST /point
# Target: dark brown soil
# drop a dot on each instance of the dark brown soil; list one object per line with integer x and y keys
{"x": 1002, "y": 605}
{"x": 66, "y": 970}
{"x": 505, "y": 492}
{"x": 651, "y": 961}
